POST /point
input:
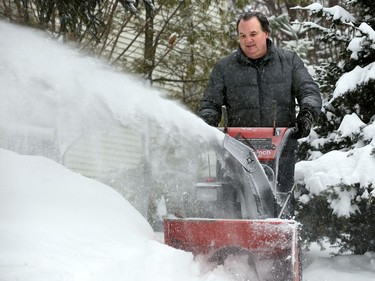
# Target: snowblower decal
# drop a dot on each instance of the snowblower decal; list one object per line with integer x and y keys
{"x": 264, "y": 141}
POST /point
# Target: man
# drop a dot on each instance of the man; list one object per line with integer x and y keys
{"x": 255, "y": 77}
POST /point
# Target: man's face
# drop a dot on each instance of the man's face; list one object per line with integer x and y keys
{"x": 252, "y": 38}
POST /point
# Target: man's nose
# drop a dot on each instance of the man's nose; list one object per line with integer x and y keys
{"x": 248, "y": 39}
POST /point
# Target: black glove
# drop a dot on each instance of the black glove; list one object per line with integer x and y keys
{"x": 304, "y": 122}
{"x": 209, "y": 119}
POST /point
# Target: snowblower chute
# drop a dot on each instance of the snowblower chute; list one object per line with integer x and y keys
{"x": 241, "y": 212}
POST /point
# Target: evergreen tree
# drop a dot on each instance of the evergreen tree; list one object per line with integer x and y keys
{"x": 347, "y": 86}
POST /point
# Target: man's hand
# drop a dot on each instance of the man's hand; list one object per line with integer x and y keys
{"x": 209, "y": 119}
{"x": 304, "y": 122}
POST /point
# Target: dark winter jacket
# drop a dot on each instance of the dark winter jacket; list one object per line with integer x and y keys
{"x": 248, "y": 90}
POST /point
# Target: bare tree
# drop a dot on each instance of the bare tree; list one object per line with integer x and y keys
{"x": 173, "y": 44}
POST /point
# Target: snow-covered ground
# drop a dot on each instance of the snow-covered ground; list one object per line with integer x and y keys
{"x": 58, "y": 225}
{"x": 320, "y": 265}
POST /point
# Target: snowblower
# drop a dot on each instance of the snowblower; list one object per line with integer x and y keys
{"x": 236, "y": 217}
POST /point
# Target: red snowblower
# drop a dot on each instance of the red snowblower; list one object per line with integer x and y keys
{"x": 236, "y": 217}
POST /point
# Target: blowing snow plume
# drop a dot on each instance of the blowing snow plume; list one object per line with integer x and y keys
{"x": 53, "y": 97}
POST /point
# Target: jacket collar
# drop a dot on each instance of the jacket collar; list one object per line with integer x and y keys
{"x": 242, "y": 58}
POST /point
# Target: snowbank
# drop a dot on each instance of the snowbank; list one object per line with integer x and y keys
{"x": 58, "y": 225}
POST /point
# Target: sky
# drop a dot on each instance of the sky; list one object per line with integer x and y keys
{"x": 58, "y": 225}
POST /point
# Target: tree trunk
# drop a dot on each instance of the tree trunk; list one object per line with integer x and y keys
{"x": 149, "y": 46}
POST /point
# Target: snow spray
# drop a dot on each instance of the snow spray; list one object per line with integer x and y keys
{"x": 52, "y": 96}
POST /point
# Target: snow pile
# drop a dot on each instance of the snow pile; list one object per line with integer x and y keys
{"x": 58, "y": 225}
{"x": 320, "y": 266}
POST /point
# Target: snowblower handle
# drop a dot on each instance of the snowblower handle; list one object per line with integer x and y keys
{"x": 287, "y": 135}
{"x": 224, "y": 112}
{"x": 286, "y": 201}
{"x": 274, "y": 111}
